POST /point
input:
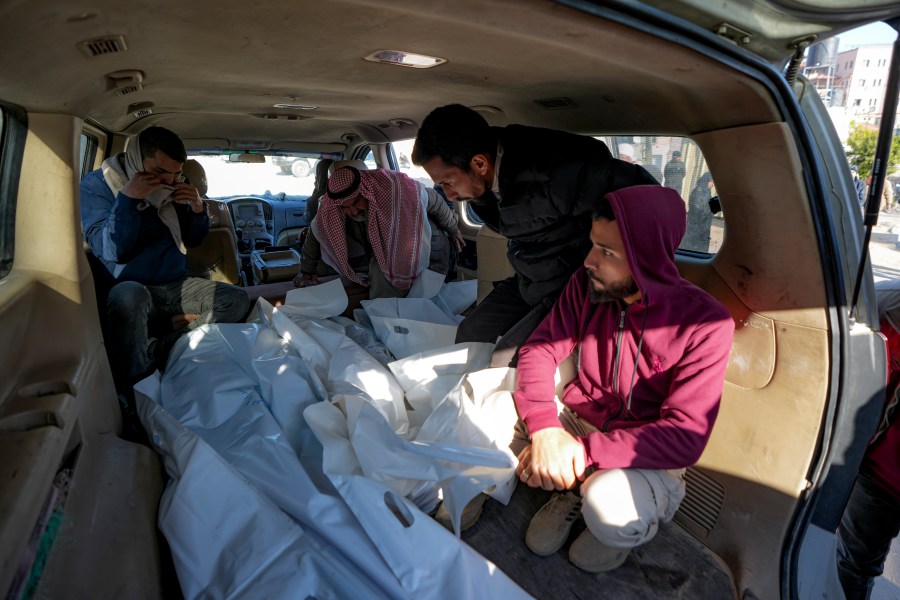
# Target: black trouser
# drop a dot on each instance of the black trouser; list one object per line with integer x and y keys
{"x": 132, "y": 308}
{"x": 504, "y": 314}
{"x": 871, "y": 520}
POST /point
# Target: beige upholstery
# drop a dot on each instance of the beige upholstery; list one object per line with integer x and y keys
{"x": 195, "y": 175}
{"x": 358, "y": 164}
{"x": 492, "y": 262}
{"x": 217, "y": 257}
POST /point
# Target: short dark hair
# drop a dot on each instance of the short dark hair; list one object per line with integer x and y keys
{"x": 453, "y": 133}
{"x": 602, "y": 210}
{"x": 160, "y": 138}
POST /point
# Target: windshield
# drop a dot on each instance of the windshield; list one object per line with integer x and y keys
{"x": 280, "y": 175}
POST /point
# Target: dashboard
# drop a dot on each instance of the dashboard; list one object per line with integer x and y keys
{"x": 259, "y": 220}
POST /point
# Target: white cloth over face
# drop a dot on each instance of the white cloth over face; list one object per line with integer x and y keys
{"x": 119, "y": 168}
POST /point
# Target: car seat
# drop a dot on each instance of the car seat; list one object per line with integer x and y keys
{"x": 217, "y": 256}
{"x": 355, "y": 163}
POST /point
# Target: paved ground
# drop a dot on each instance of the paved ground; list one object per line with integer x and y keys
{"x": 883, "y": 248}
{"x": 885, "y": 255}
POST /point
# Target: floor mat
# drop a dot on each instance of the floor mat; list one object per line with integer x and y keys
{"x": 672, "y": 565}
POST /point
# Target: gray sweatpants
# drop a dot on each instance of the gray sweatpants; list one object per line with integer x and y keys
{"x": 621, "y": 507}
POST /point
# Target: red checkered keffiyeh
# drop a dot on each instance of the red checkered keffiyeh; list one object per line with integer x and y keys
{"x": 396, "y": 217}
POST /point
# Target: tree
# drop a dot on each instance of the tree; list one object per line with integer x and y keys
{"x": 861, "y": 150}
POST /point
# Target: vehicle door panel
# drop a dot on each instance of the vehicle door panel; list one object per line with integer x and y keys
{"x": 59, "y": 417}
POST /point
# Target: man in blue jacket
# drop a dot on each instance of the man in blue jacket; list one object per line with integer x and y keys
{"x": 139, "y": 216}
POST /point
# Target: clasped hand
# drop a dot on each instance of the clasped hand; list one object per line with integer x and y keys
{"x": 554, "y": 460}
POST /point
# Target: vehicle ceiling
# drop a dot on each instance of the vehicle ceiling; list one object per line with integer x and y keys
{"x": 773, "y": 26}
{"x": 212, "y": 68}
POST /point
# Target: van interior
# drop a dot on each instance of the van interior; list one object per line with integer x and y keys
{"x": 229, "y": 78}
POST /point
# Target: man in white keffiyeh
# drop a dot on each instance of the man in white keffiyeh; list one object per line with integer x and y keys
{"x": 139, "y": 218}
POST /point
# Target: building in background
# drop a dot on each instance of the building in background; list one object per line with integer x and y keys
{"x": 860, "y": 79}
{"x": 820, "y": 68}
{"x": 851, "y": 83}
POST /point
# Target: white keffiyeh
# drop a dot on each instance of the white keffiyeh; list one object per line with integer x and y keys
{"x": 119, "y": 168}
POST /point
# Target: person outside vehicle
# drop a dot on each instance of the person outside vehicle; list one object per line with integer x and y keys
{"x": 860, "y": 186}
{"x": 699, "y": 216}
{"x": 674, "y": 172}
{"x": 382, "y": 223}
{"x": 871, "y": 518}
{"x": 651, "y": 350}
{"x": 534, "y": 186}
{"x": 139, "y": 217}
{"x": 887, "y": 195}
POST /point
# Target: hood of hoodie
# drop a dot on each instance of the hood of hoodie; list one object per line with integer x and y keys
{"x": 652, "y": 221}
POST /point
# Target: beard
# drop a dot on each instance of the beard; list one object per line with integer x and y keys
{"x": 485, "y": 199}
{"x": 617, "y": 290}
{"x": 359, "y": 217}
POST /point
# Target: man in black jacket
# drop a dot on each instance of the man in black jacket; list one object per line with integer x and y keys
{"x": 534, "y": 186}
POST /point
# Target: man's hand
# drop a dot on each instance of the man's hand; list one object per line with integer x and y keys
{"x": 305, "y": 279}
{"x": 456, "y": 238}
{"x": 141, "y": 185}
{"x": 185, "y": 193}
{"x": 554, "y": 460}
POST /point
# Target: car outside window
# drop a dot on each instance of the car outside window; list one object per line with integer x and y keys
{"x": 279, "y": 176}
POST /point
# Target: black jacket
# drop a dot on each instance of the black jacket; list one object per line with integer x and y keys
{"x": 549, "y": 181}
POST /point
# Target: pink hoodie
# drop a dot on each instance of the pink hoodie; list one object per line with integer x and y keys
{"x": 659, "y": 410}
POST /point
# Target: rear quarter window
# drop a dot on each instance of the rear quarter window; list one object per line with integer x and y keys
{"x": 677, "y": 162}
{"x": 87, "y": 153}
{"x": 12, "y": 142}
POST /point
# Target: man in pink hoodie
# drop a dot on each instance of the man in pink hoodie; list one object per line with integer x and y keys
{"x": 651, "y": 351}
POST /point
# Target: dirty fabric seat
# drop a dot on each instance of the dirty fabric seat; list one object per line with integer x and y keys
{"x": 217, "y": 256}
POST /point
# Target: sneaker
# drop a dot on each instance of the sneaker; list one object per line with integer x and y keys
{"x": 549, "y": 528}
{"x": 470, "y": 514}
{"x": 589, "y": 554}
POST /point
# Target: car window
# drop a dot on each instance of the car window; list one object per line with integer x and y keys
{"x": 7, "y": 238}
{"x": 12, "y": 141}
{"x": 280, "y": 175}
{"x": 687, "y": 173}
{"x": 87, "y": 152}
{"x": 369, "y": 159}
{"x": 403, "y": 152}
{"x": 677, "y": 162}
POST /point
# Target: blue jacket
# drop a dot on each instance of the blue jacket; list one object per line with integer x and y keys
{"x": 135, "y": 245}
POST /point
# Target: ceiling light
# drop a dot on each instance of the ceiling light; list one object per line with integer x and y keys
{"x": 405, "y": 59}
